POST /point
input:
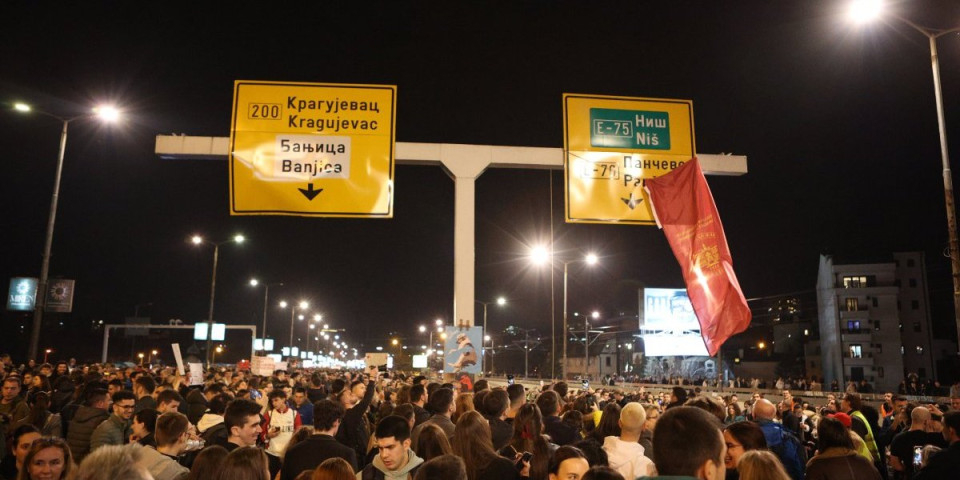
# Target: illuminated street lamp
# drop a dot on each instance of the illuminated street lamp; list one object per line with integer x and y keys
{"x": 140, "y": 356}
{"x": 539, "y": 256}
{"x": 863, "y": 11}
{"x": 152, "y": 354}
{"x": 303, "y": 305}
{"x": 217, "y": 350}
{"x": 501, "y": 302}
{"x": 105, "y": 113}
{"x": 199, "y": 240}
{"x": 46, "y": 353}
{"x": 266, "y": 301}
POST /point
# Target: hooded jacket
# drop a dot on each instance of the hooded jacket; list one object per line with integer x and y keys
{"x": 161, "y": 466}
{"x": 84, "y": 422}
{"x": 626, "y": 457}
{"x": 378, "y": 470}
{"x": 208, "y": 420}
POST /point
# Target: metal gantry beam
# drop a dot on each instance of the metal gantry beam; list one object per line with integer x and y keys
{"x": 465, "y": 163}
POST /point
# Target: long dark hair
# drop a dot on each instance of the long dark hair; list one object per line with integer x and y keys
{"x": 432, "y": 442}
{"x": 472, "y": 442}
{"x": 39, "y": 412}
{"x": 609, "y": 422}
{"x": 528, "y": 437}
{"x": 832, "y": 433}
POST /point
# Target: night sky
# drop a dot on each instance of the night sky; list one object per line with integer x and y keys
{"x": 837, "y": 121}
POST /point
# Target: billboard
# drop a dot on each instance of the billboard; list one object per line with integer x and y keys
{"x": 461, "y": 351}
{"x": 59, "y": 296}
{"x": 22, "y": 295}
{"x": 670, "y": 325}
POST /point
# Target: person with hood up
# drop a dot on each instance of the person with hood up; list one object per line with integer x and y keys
{"x": 624, "y": 453}
{"x": 395, "y": 460}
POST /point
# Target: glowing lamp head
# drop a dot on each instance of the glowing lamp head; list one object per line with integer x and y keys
{"x": 501, "y": 301}
{"x": 196, "y": 239}
{"x": 304, "y": 305}
{"x": 239, "y": 238}
{"x": 21, "y": 107}
{"x": 107, "y": 113}
{"x": 283, "y": 304}
{"x": 863, "y": 11}
{"x": 423, "y": 328}
{"x": 595, "y": 314}
{"x": 254, "y": 282}
{"x": 591, "y": 259}
{"x": 539, "y": 255}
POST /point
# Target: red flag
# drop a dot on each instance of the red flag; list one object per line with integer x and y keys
{"x": 683, "y": 207}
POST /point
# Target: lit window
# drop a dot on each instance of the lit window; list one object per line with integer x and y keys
{"x": 856, "y": 351}
{"x": 919, "y": 350}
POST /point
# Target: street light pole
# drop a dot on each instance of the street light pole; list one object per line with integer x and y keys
{"x": 563, "y": 358}
{"x": 213, "y": 289}
{"x": 106, "y": 113}
{"x": 862, "y": 14}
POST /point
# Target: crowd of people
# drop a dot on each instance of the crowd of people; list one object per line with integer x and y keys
{"x": 101, "y": 422}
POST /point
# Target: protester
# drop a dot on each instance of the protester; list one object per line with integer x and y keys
{"x": 784, "y": 444}
{"x": 114, "y": 462}
{"x": 946, "y": 463}
{"x": 278, "y": 426}
{"x": 687, "y": 442}
{"x": 333, "y": 469}
{"x": 472, "y": 442}
{"x": 143, "y": 388}
{"x": 86, "y": 419}
{"x": 836, "y": 457}
{"x": 919, "y": 435}
{"x": 624, "y": 452}
{"x": 395, "y": 460}
{"x": 321, "y": 446}
{"x": 23, "y": 437}
{"x": 495, "y": 405}
{"x": 356, "y": 400}
{"x": 741, "y": 437}
{"x": 207, "y": 463}
{"x": 761, "y": 465}
{"x": 568, "y": 463}
{"x": 432, "y": 442}
{"x": 528, "y": 437}
{"x": 418, "y": 397}
{"x": 13, "y": 409}
{"x": 559, "y": 432}
{"x": 112, "y": 431}
{"x": 47, "y": 459}
{"x": 244, "y": 463}
{"x": 302, "y": 404}
{"x": 143, "y": 427}
{"x": 242, "y": 421}
{"x": 602, "y": 473}
{"x": 444, "y": 467}
{"x": 442, "y": 405}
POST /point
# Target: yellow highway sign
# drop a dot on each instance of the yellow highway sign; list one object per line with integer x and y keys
{"x": 312, "y": 149}
{"x": 611, "y": 144}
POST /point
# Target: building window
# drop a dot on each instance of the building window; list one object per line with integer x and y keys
{"x": 608, "y": 361}
{"x": 916, "y": 327}
{"x": 915, "y": 304}
{"x": 853, "y": 326}
{"x": 880, "y": 372}
{"x": 919, "y": 350}
{"x": 876, "y": 325}
{"x": 913, "y": 283}
{"x": 852, "y": 304}
{"x": 856, "y": 351}
{"x": 878, "y": 348}
{"x": 875, "y": 303}
{"x": 911, "y": 262}
{"x": 855, "y": 282}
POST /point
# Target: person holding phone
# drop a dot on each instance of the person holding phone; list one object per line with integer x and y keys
{"x": 904, "y": 446}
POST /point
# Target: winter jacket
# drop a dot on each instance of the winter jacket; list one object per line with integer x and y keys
{"x": 626, "y": 457}
{"x": 377, "y": 470}
{"x": 840, "y": 463}
{"x": 112, "y": 431}
{"x": 84, "y": 422}
{"x": 208, "y": 420}
{"x": 161, "y": 466}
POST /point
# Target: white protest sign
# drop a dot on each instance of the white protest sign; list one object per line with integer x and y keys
{"x": 196, "y": 374}
{"x": 263, "y": 366}
{"x": 176, "y": 355}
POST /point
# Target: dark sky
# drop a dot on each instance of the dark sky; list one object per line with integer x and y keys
{"x": 838, "y": 124}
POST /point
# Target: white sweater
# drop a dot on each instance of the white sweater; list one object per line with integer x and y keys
{"x": 627, "y": 458}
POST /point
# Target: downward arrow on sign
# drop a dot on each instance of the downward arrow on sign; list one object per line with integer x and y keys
{"x": 309, "y": 192}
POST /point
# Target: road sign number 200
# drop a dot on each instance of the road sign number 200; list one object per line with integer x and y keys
{"x": 264, "y": 111}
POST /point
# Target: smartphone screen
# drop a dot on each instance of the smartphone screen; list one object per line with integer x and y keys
{"x": 586, "y": 384}
{"x": 917, "y": 456}
{"x": 509, "y": 379}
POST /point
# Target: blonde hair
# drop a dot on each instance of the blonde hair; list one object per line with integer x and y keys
{"x": 761, "y": 465}
{"x": 113, "y": 461}
{"x": 632, "y": 417}
{"x": 464, "y": 405}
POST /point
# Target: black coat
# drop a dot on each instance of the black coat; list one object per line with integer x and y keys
{"x": 560, "y": 433}
{"x": 311, "y": 452}
{"x": 353, "y": 428}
